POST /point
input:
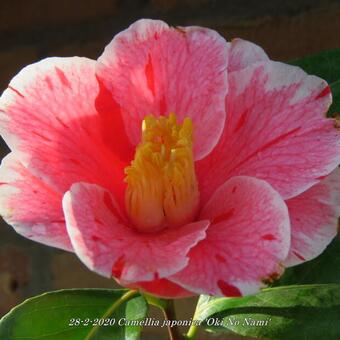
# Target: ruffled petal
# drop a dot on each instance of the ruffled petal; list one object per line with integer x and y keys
{"x": 104, "y": 242}
{"x": 244, "y": 53}
{"x": 276, "y": 130}
{"x": 32, "y": 207}
{"x": 64, "y": 126}
{"x": 152, "y": 68}
{"x": 247, "y": 240}
{"x": 314, "y": 219}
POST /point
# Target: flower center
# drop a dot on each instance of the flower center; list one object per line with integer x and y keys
{"x": 162, "y": 188}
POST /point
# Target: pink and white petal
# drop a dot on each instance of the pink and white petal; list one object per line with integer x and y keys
{"x": 247, "y": 240}
{"x": 152, "y": 68}
{"x": 162, "y": 288}
{"x": 32, "y": 207}
{"x": 314, "y": 218}
{"x": 107, "y": 245}
{"x": 244, "y": 53}
{"x": 55, "y": 115}
{"x": 276, "y": 130}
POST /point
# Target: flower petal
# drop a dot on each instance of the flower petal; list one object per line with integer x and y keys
{"x": 162, "y": 288}
{"x": 244, "y": 53}
{"x": 276, "y": 130}
{"x": 153, "y": 68}
{"x": 64, "y": 126}
{"x": 32, "y": 207}
{"x": 314, "y": 217}
{"x": 248, "y": 237}
{"x": 104, "y": 242}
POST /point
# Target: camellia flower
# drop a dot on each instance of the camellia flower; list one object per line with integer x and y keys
{"x": 178, "y": 163}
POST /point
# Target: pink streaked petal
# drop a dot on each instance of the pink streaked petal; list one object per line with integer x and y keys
{"x": 314, "y": 218}
{"x": 276, "y": 130}
{"x": 30, "y": 206}
{"x": 152, "y": 68}
{"x": 64, "y": 125}
{"x": 162, "y": 288}
{"x": 244, "y": 53}
{"x": 104, "y": 242}
{"x": 247, "y": 240}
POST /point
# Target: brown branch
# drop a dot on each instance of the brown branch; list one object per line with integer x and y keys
{"x": 169, "y": 314}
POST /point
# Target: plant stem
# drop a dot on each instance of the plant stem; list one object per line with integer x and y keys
{"x": 191, "y": 332}
{"x": 126, "y": 297}
{"x": 155, "y": 301}
{"x": 169, "y": 314}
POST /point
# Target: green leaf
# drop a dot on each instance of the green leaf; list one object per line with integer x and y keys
{"x": 156, "y": 301}
{"x": 294, "y": 312}
{"x": 325, "y": 65}
{"x": 335, "y": 108}
{"x": 323, "y": 269}
{"x": 55, "y": 315}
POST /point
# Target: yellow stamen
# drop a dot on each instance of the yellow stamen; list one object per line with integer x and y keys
{"x": 162, "y": 189}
